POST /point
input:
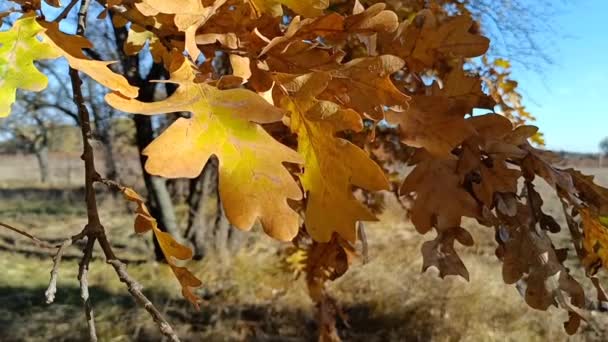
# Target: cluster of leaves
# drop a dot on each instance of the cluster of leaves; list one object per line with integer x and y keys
{"x": 293, "y": 124}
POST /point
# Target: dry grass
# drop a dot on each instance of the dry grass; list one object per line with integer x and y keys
{"x": 251, "y": 296}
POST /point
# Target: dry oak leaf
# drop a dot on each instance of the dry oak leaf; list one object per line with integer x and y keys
{"x": 429, "y": 123}
{"x": 19, "y": 48}
{"x": 535, "y": 164}
{"x": 371, "y": 20}
{"x": 171, "y": 249}
{"x": 591, "y": 193}
{"x": 307, "y": 8}
{"x": 440, "y": 201}
{"x": 495, "y": 136}
{"x": 364, "y": 84}
{"x": 495, "y": 178}
{"x": 420, "y": 41}
{"x": 305, "y": 29}
{"x": 327, "y": 261}
{"x": 252, "y": 180}
{"x": 301, "y": 58}
{"x": 367, "y": 23}
{"x": 441, "y": 254}
{"x": 332, "y": 165}
{"x": 435, "y": 121}
{"x": 70, "y": 47}
{"x": 189, "y": 16}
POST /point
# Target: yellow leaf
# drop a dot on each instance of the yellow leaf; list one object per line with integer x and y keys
{"x": 595, "y": 241}
{"x": 70, "y": 47}
{"x": 332, "y": 165}
{"x": 19, "y": 48}
{"x": 502, "y": 63}
{"x": 252, "y": 180}
{"x": 172, "y": 247}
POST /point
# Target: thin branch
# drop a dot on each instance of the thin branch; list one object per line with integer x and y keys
{"x": 65, "y": 11}
{"x": 52, "y": 288}
{"x": 94, "y": 229}
{"x": 83, "y": 271}
{"x": 40, "y": 243}
{"x": 136, "y": 291}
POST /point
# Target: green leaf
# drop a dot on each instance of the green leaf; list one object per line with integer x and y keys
{"x": 19, "y": 48}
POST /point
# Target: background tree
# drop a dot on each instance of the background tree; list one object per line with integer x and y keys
{"x": 603, "y": 150}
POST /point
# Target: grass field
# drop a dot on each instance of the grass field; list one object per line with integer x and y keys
{"x": 252, "y": 296}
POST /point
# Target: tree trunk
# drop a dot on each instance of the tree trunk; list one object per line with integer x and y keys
{"x": 42, "y": 156}
{"x": 110, "y": 160}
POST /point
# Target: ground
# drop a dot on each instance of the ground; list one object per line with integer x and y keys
{"x": 252, "y": 295}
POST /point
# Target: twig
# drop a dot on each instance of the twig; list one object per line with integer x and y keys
{"x": 94, "y": 229}
{"x": 112, "y": 185}
{"x": 39, "y": 242}
{"x": 83, "y": 271}
{"x": 52, "y": 288}
{"x": 136, "y": 291}
{"x": 65, "y": 11}
{"x": 364, "y": 245}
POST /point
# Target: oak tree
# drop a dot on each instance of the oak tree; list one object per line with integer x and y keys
{"x": 321, "y": 99}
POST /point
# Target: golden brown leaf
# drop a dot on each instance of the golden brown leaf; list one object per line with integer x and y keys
{"x": 253, "y": 182}
{"x": 170, "y": 248}
{"x": 364, "y": 84}
{"x": 440, "y": 252}
{"x": 70, "y": 47}
{"x": 440, "y": 201}
{"x": 422, "y": 41}
{"x": 332, "y": 165}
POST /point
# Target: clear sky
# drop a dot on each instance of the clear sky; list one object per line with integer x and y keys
{"x": 569, "y": 98}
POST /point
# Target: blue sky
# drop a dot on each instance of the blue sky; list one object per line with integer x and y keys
{"x": 569, "y": 97}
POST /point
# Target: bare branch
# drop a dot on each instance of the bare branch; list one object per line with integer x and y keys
{"x": 136, "y": 291}
{"x": 65, "y": 11}
{"x": 94, "y": 229}
{"x": 40, "y": 243}
{"x": 83, "y": 271}
{"x": 52, "y": 288}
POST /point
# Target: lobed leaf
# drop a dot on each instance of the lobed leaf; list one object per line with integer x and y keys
{"x": 19, "y": 48}
{"x": 332, "y": 165}
{"x": 253, "y": 182}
